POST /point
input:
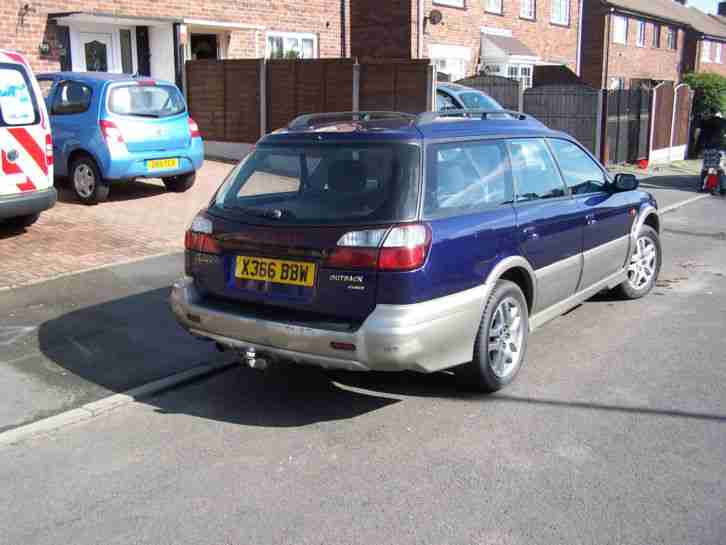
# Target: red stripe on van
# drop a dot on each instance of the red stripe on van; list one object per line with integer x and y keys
{"x": 8, "y": 167}
{"x": 16, "y": 57}
{"x": 29, "y": 144}
{"x": 28, "y": 185}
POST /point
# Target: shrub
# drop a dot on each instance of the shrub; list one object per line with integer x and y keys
{"x": 710, "y": 93}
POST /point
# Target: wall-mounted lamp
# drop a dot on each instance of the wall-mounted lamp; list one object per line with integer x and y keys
{"x": 44, "y": 48}
{"x": 434, "y": 17}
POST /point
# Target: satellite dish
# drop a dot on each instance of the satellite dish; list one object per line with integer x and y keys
{"x": 435, "y": 17}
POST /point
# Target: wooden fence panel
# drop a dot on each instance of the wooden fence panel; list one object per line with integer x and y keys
{"x": 684, "y": 103}
{"x": 205, "y": 95}
{"x": 242, "y": 100}
{"x": 395, "y": 85}
{"x": 504, "y": 90}
{"x": 569, "y": 108}
{"x": 663, "y": 114}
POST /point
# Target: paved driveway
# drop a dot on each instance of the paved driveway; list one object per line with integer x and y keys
{"x": 140, "y": 219}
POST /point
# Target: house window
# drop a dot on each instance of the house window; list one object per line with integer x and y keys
{"x": 706, "y": 51}
{"x": 641, "y": 34}
{"x": 494, "y": 6}
{"x": 527, "y": 10}
{"x": 717, "y": 48}
{"x": 620, "y": 29}
{"x": 561, "y": 12}
{"x": 291, "y": 45}
{"x": 672, "y": 38}
{"x": 615, "y": 84}
{"x": 656, "y": 36}
{"x": 522, "y": 73}
{"x": 452, "y": 3}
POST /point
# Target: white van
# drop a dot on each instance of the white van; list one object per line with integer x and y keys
{"x": 26, "y": 146}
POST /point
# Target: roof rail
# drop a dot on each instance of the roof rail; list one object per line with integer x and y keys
{"x": 429, "y": 117}
{"x": 307, "y": 120}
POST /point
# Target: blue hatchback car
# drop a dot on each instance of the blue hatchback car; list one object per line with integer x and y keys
{"x": 388, "y": 242}
{"x": 114, "y": 127}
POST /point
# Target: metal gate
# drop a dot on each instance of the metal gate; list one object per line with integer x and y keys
{"x": 574, "y": 109}
{"x": 505, "y": 91}
{"x": 628, "y": 125}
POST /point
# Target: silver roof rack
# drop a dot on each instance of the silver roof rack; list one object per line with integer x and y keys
{"x": 429, "y": 117}
{"x": 308, "y": 120}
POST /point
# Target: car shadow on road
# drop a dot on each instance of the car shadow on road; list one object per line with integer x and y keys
{"x": 679, "y": 183}
{"x": 8, "y": 230}
{"x": 133, "y": 340}
{"x": 120, "y": 192}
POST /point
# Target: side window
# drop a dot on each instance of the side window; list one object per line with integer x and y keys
{"x": 534, "y": 170}
{"x": 581, "y": 174}
{"x": 445, "y": 102}
{"x": 467, "y": 177}
{"x": 72, "y": 98}
{"x": 18, "y": 104}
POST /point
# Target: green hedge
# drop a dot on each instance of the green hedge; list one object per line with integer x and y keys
{"x": 710, "y": 93}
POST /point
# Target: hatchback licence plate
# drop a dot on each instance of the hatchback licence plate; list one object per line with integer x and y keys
{"x": 279, "y": 271}
{"x": 162, "y": 164}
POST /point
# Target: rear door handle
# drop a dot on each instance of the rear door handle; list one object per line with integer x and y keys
{"x": 530, "y": 233}
{"x": 591, "y": 219}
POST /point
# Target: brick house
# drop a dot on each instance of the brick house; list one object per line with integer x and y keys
{"x": 500, "y": 37}
{"x": 627, "y": 43}
{"x": 154, "y": 38}
{"x": 705, "y": 49}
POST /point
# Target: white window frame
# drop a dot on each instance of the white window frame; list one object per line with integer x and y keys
{"x": 617, "y": 39}
{"x": 452, "y": 3}
{"x": 493, "y": 6}
{"x": 656, "y": 36}
{"x": 456, "y": 57}
{"x": 560, "y": 14}
{"x": 298, "y": 35}
{"x": 706, "y": 51}
{"x": 525, "y": 80}
{"x": 718, "y": 53}
{"x": 528, "y": 9}
{"x": 672, "y": 38}
{"x": 640, "y": 42}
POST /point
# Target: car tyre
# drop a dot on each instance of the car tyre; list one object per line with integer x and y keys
{"x": 643, "y": 266}
{"x": 23, "y": 221}
{"x": 179, "y": 184}
{"x": 86, "y": 180}
{"x": 501, "y": 343}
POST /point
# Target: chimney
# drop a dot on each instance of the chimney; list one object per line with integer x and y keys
{"x": 722, "y": 8}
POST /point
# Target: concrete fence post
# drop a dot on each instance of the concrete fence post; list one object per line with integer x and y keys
{"x": 431, "y": 88}
{"x": 599, "y": 125}
{"x": 263, "y": 97}
{"x": 520, "y": 97}
{"x": 356, "y": 86}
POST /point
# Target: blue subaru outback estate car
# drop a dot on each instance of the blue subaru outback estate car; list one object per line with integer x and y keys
{"x": 383, "y": 241}
{"x": 114, "y": 127}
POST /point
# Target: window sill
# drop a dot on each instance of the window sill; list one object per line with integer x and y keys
{"x": 561, "y": 25}
{"x": 528, "y": 19}
{"x": 498, "y": 13}
{"x": 444, "y": 4}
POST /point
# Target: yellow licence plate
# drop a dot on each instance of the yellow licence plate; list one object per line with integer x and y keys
{"x": 162, "y": 164}
{"x": 280, "y": 271}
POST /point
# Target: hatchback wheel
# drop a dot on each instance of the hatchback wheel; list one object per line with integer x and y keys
{"x": 86, "y": 181}
{"x": 644, "y": 265}
{"x": 501, "y": 343}
{"x": 179, "y": 184}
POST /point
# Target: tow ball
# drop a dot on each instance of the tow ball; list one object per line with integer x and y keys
{"x": 249, "y": 358}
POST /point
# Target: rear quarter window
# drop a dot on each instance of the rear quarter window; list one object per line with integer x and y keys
{"x": 18, "y": 103}
{"x": 145, "y": 101}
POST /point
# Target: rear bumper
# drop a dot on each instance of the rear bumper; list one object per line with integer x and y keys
{"x": 133, "y": 164}
{"x": 424, "y": 337}
{"x": 25, "y": 204}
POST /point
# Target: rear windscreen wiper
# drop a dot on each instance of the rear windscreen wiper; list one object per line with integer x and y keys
{"x": 271, "y": 213}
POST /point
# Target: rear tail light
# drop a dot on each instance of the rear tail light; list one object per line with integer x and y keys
{"x": 194, "y": 129}
{"x": 403, "y": 248}
{"x": 49, "y": 150}
{"x": 712, "y": 181}
{"x": 199, "y": 238}
{"x": 112, "y": 134}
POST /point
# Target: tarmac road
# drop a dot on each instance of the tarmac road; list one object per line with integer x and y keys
{"x": 614, "y": 433}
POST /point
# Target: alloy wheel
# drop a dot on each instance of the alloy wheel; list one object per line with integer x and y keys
{"x": 643, "y": 262}
{"x": 84, "y": 180}
{"x": 506, "y": 337}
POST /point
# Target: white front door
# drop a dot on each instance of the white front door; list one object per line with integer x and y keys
{"x": 97, "y": 53}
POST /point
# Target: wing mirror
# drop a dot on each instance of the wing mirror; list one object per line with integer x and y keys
{"x": 626, "y": 182}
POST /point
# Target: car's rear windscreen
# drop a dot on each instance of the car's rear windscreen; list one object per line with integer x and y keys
{"x": 324, "y": 185}
{"x": 18, "y": 104}
{"x": 146, "y": 100}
